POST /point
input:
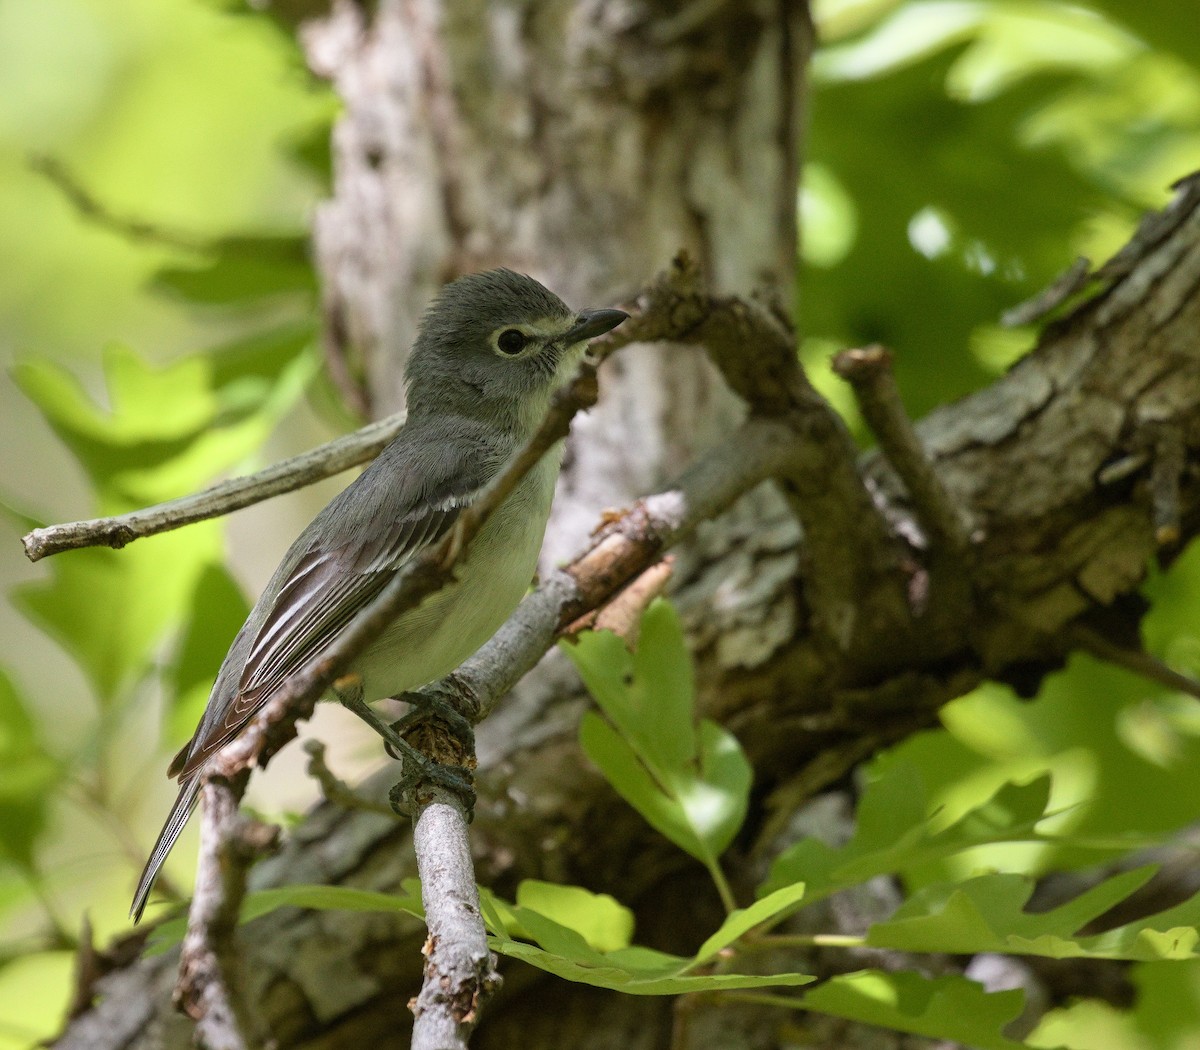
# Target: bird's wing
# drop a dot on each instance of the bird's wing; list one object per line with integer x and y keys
{"x": 333, "y": 579}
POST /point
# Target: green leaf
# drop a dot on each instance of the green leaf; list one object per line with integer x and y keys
{"x": 700, "y": 811}
{"x": 170, "y": 429}
{"x": 690, "y": 781}
{"x": 244, "y": 268}
{"x": 647, "y": 695}
{"x": 217, "y": 612}
{"x": 740, "y": 922}
{"x": 572, "y": 943}
{"x": 300, "y": 895}
{"x": 635, "y": 974}
{"x": 715, "y": 801}
{"x": 1163, "y": 1014}
{"x": 986, "y": 914}
{"x": 895, "y": 832}
{"x": 603, "y": 922}
{"x": 952, "y": 1009}
{"x": 619, "y": 763}
{"x": 28, "y": 777}
{"x": 663, "y": 692}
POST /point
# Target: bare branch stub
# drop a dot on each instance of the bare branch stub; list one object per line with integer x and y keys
{"x": 209, "y": 988}
{"x": 335, "y": 790}
{"x": 869, "y": 372}
{"x": 1166, "y": 473}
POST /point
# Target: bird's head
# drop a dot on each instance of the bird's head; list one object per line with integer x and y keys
{"x": 495, "y": 345}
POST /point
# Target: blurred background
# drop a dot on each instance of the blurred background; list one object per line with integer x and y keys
{"x": 159, "y": 164}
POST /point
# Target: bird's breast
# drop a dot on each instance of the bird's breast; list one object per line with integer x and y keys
{"x": 430, "y": 641}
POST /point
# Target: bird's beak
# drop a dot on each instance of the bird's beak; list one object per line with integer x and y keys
{"x": 592, "y": 323}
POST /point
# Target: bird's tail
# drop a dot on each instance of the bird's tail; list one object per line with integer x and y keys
{"x": 178, "y": 816}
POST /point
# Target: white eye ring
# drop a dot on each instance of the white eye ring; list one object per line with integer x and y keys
{"x": 511, "y": 341}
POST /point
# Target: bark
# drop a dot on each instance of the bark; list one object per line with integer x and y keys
{"x": 586, "y": 142}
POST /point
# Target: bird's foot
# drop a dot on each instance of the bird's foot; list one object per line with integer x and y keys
{"x": 426, "y": 773}
{"x": 442, "y": 729}
{"x": 446, "y": 756}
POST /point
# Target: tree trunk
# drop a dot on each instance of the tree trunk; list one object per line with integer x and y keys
{"x": 586, "y": 142}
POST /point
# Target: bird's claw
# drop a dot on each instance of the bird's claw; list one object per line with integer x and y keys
{"x": 423, "y": 771}
{"x": 429, "y": 709}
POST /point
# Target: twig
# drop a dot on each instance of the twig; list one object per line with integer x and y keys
{"x": 1065, "y": 285}
{"x": 324, "y": 461}
{"x": 1165, "y": 475}
{"x": 869, "y": 372}
{"x": 622, "y": 550}
{"x": 54, "y": 171}
{"x": 623, "y": 615}
{"x": 321, "y": 462}
{"x": 336, "y": 790}
{"x": 209, "y": 988}
{"x": 1140, "y": 663}
{"x": 460, "y": 970}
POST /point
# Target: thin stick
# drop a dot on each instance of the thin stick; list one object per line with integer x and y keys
{"x": 90, "y": 207}
{"x": 1170, "y": 457}
{"x": 869, "y": 372}
{"x": 336, "y": 790}
{"x": 324, "y": 461}
{"x": 209, "y": 988}
{"x": 1139, "y": 663}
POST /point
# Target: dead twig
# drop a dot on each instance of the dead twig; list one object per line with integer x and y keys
{"x": 224, "y": 497}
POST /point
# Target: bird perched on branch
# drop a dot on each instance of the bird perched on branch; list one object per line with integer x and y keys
{"x": 491, "y": 350}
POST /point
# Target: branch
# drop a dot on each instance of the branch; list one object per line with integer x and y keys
{"x": 334, "y": 789}
{"x": 869, "y": 373}
{"x": 852, "y": 576}
{"x": 288, "y": 475}
{"x": 91, "y": 208}
{"x": 621, "y": 551}
{"x": 324, "y": 461}
{"x": 460, "y": 970}
{"x": 1133, "y": 660}
{"x": 210, "y": 990}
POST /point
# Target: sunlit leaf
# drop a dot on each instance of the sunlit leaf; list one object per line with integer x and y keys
{"x": 690, "y": 780}
{"x": 603, "y": 922}
{"x": 896, "y": 832}
{"x": 987, "y": 914}
{"x": 634, "y": 979}
{"x": 951, "y": 1008}
{"x": 741, "y": 921}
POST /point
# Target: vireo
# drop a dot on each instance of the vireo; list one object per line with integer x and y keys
{"x": 490, "y": 352}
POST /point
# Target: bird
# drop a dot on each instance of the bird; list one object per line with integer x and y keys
{"x": 490, "y": 351}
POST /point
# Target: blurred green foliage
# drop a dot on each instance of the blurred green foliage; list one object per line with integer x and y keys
{"x": 158, "y": 162}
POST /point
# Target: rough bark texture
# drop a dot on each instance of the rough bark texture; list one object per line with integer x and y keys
{"x": 586, "y": 142}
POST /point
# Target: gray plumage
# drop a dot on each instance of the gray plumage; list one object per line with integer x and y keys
{"x": 490, "y": 352}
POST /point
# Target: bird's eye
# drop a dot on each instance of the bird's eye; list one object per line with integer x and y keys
{"x": 511, "y": 341}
